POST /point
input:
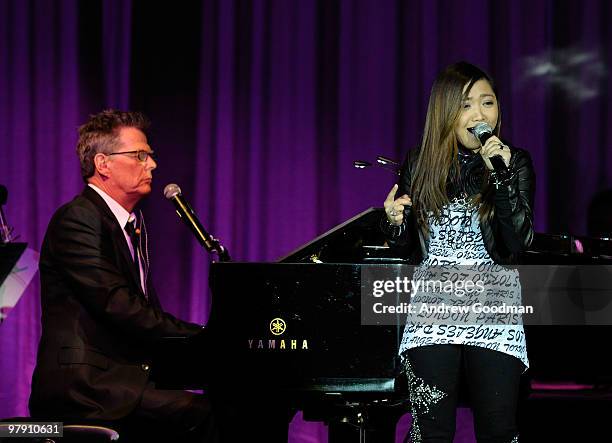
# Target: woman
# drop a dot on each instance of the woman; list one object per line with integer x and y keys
{"x": 456, "y": 210}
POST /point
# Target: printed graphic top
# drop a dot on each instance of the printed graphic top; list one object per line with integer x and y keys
{"x": 446, "y": 309}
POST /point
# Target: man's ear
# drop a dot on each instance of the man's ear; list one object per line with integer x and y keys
{"x": 101, "y": 164}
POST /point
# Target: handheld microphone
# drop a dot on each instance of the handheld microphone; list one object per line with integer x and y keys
{"x": 482, "y": 131}
{"x": 498, "y": 164}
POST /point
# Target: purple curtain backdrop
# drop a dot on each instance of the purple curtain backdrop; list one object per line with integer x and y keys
{"x": 259, "y": 108}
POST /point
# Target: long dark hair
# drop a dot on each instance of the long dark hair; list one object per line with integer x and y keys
{"x": 438, "y": 157}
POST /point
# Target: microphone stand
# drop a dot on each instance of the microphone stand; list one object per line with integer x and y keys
{"x": 220, "y": 250}
{"x": 6, "y": 231}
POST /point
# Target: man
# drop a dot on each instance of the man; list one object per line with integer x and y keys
{"x": 100, "y": 313}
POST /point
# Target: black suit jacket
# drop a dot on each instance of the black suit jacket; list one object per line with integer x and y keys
{"x": 97, "y": 326}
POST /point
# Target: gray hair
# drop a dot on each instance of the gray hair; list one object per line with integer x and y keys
{"x": 100, "y": 134}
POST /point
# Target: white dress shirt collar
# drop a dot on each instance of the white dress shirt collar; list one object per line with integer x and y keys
{"x": 119, "y": 211}
{"x": 122, "y": 217}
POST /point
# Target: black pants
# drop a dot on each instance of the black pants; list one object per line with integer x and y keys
{"x": 171, "y": 415}
{"x": 493, "y": 385}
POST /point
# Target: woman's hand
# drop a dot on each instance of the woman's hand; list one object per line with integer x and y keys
{"x": 492, "y": 147}
{"x": 395, "y": 208}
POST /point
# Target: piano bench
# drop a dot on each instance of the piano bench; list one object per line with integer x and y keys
{"x": 73, "y": 432}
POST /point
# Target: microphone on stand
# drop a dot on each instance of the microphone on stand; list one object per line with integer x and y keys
{"x": 362, "y": 164}
{"x": 381, "y": 162}
{"x": 386, "y": 161}
{"x": 173, "y": 192}
{"x": 5, "y": 230}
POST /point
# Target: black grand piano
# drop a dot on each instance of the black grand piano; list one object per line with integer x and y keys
{"x": 294, "y": 327}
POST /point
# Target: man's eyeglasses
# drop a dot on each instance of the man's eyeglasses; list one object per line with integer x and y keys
{"x": 140, "y": 155}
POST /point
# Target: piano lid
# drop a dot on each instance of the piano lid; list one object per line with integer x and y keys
{"x": 357, "y": 240}
{"x": 360, "y": 240}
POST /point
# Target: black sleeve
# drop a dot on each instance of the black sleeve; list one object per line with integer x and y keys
{"x": 513, "y": 205}
{"x": 77, "y": 244}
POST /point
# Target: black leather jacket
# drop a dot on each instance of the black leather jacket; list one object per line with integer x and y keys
{"x": 508, "y": 233}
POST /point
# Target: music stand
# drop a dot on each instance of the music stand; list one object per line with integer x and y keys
{"x": 10, "y": 253}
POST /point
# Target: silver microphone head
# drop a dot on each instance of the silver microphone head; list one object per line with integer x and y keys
{"x": 171, "y": 191}
{"x": 480, "y": 129}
